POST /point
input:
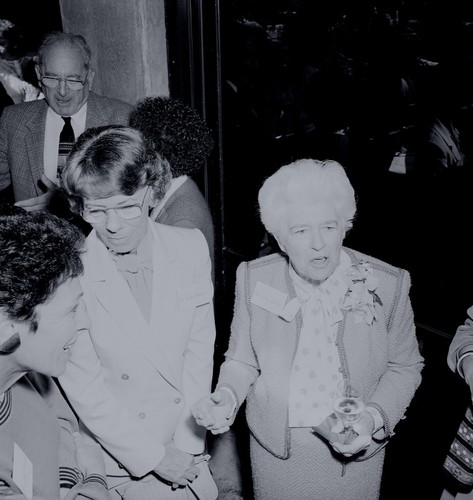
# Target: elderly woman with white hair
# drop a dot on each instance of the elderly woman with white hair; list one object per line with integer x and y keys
{"x": 305, "y": 320}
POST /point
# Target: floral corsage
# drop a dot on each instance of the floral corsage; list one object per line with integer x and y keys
{"x": 361, "y": 296}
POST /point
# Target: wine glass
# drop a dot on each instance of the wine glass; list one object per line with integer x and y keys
{"x": 349, "y": 402}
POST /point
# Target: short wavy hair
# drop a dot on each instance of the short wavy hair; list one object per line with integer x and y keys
{"x": 56, "y": 38}
{"x": 39, "y": 253}
{"x": 111, "y": 160}
{"x": 176, "y": 131}
{"x": 306, "y": 182}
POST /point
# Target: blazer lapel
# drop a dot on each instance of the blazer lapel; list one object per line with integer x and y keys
{"x": 165, "y": 318}
{"x": 34, "y": 142}
{"x": 112, "y": 291}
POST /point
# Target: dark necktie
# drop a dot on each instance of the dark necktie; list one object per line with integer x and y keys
{"x": 66, "y": 140}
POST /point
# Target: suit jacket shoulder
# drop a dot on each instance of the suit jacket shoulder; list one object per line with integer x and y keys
{"x": 188, "y": 203}
{"x": 24, "y": 112}
{"x": 103, "y": 110}
{"x": 377, "y": 264}
{"x": 280, "y": 260}
{"x": 187, "y": 207}
{"x": 394, "y": 282}
{"x": 272, "y": 269}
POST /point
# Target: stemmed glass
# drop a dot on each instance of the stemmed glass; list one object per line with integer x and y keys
{"x": 349, "y": 402}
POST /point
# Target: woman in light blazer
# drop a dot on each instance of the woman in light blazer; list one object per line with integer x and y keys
{"x": 149, "y": 353}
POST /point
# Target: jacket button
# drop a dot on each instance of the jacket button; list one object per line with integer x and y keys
{"x": 142, "y": 415}
{"x": 177, "y": 400}
{"x": 125, "y": 376}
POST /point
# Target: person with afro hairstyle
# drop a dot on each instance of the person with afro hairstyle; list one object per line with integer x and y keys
{"x": 181, "y": 137}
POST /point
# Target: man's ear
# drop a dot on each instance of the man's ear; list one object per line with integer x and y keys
{"x": 9, "y": 335}
{"x": 90, "y": 78}
{"x": 38, "y": 73}
{"x": 7, "y": 329}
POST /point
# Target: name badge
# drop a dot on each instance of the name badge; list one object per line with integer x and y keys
{"x": 23, "y": 472}
{"x": 268, "y": 298}
{"x": 195, "y": 295}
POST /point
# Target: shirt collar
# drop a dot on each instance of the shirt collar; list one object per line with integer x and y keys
{"x": 142, "y": 257}
{"x": 77, "y": 119}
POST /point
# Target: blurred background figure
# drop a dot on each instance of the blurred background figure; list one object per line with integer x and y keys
{"x": 16, "y": 65}
{"x": 438, "y": 144}
{"x": 5, "y": 99}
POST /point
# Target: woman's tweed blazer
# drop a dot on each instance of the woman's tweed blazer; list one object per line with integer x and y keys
{"x": 384, "y": 356}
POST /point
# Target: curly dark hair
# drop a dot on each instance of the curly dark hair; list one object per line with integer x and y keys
{"x": 176, "y": 130}
{"x": 39, "y": 253}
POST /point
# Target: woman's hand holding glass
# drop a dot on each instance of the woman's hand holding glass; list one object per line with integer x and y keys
{"x": 354, "y": 423}
{"x": 214, "y": 412}
{"x": 363, "y": 431}
{"x": 349, "y": 403}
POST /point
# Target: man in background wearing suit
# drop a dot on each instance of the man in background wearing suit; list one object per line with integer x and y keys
{"x": 36, "y": 136}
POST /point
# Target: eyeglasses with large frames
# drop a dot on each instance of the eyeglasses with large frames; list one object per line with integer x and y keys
{"x": 72, "y": 83}
{"x": 125, "y": 212}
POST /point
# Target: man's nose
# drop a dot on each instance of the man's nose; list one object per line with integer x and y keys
{"x": 62, "y": 87}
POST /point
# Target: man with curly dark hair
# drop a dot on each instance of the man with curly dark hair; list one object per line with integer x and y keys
{"x": 182, "y": 137}
{"x": 40, "y": 315}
